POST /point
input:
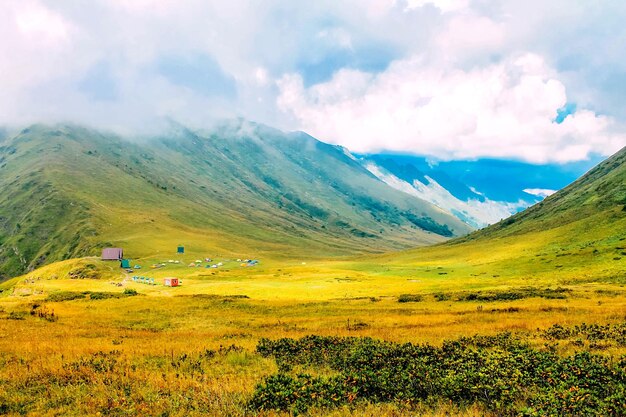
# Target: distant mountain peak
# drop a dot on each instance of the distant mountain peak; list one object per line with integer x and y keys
{"x": 479, "y": 192}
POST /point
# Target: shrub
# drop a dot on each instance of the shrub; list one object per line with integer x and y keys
{"x": 515, "y": 294}
{"x": 17, "y": 315}
{"x": 87, "y": 271}
{"x": 591, "y": 332}
{"x": 410, "y": 298}
{"x": 103, "y": 295}
{"x": 441, "y": 296}
{"x": 499, "y": 373}
{"x": 65, "y": 296}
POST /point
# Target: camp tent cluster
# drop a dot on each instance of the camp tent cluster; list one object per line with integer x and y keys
{"x": 144, "y": 280}
{"x": 168, "y": 281}
{"x": 248, "y": 262}
{"x": 198, "y": 264}
{"x": 117, "y": 254}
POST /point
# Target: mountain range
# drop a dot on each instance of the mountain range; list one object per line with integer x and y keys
{"x": 574, "y": 236}
{"x": 239, "y": 189}
{"x": 480, "y": 192}
{"x": 242, "y": 189}
{"x": 595, "y": 204}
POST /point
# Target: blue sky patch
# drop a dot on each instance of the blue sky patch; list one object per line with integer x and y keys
{"x": 498, "y": 179}
{"x": 320, "y": 67}
{"x": 99, "y": 83}
{"x": 563, "y": 112}
{"x": 199, "y": 72}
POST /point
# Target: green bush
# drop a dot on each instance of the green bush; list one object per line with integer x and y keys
{"x": 66, "y": 296}
{"x": 590, "y": 332}
{"x": 17, "y": 315}
{"x": 499, "y": 373}
{"x": 104, "y": 295}
{"x": 441, "y": 296}
{"x": 93, "y": 295}
{"x": 409, "y": 298}
{"x": 516, "y": 294}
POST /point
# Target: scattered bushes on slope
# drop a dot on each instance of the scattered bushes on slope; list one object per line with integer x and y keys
{"x": 499, "y": 373}
{"x": 93, "y": 295}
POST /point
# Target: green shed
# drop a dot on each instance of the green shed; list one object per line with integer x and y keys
{"x": 125, "y": 263}
{"x": 181, "y": 249}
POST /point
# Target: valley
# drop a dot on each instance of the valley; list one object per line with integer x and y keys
{"x": 79, "y": 336}
{"x": 392, "y": 208}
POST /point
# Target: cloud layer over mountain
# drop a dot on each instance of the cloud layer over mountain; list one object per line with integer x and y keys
{"x": 537, "y": 81}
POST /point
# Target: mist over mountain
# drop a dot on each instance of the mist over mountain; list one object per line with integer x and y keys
{"x": 238, "y": 188}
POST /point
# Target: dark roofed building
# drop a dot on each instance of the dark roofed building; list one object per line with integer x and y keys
{"x": 112, "y": 254}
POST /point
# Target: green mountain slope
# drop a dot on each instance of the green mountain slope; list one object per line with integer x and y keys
{"x": 577, "y": 235}
{"x": 240, "y": 189}
{"x": 600, "y": 192}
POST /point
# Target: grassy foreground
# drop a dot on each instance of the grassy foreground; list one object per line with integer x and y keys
{"x": 79, "y": 337}
{"x": 379, "y": 335}
{"x": 180, "y": 355}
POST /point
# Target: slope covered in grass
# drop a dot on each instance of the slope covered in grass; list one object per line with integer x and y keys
{"x": 576, "y": 235}
{"x": 241, "y": 189}
{"x": 602, "y": 191}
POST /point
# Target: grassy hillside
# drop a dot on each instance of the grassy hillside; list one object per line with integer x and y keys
{"x": 576, "y": 235}
{"x": 240, "y": 190}
{"x": 545, "y": 294}
{"x": 600, "y": 192}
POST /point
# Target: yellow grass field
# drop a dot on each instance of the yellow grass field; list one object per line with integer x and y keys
{"x": 227, "y": 310}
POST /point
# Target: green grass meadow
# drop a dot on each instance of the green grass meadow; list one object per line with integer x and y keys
{"x": 76, "y": 340}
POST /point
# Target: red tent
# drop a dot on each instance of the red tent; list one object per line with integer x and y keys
{"x": 171, "y": 282}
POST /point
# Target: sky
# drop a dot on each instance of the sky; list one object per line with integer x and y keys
{"x": 535, "y": 81}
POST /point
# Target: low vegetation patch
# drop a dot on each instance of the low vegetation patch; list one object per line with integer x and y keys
{"x": 92, "y": 295}
{"x": 441, "y": 296}
{"x": 426, "y": 223}
{"x": 43, "y": 312}
{"x": 66, "y": 296}
{"x": 498, "y": 373}
{"x": 215, "y": 296}
{"x": 594, "y": 334}
{"x": 87, "y": 271}
{"x": 507, "y": 295}
{"x": 410, "y": 298}
{"x": 17, "y": 315}
{"x": 110, "y": 383}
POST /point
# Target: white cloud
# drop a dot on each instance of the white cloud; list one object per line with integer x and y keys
{"x": 160, "y": 7}
{"x": 465, "y": 35}
{"x": 261, "y": 76}
{"x": 539, "y": 192}
{"x": 35, "y": 45}
{"x": 337, "y": 36}
{"x": 501, "y": 110}
{"x": 460, "y": 84}
{"x": 446, "y": 6}
{"x": 39, "y": 23}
